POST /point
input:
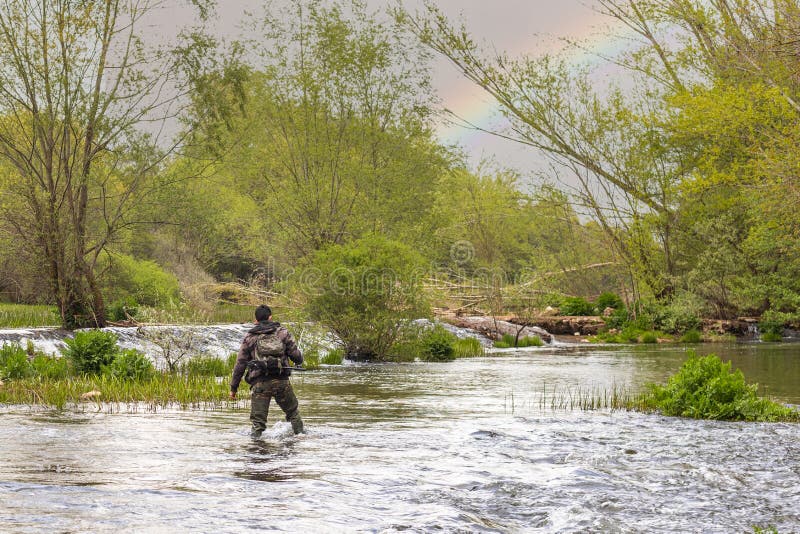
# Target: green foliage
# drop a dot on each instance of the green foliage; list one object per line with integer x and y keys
{"x": 366, "y": 292}
{"x": 706, "y": 388}
{"x": 771, "y": 337}
{"x": 437, "y": 345}
{"x": 576, "y": 306}
{"x": 691, "y": 336}
{"x": 90, "y": 350}
{"x": 508, "y": 341}
{"x": 649, "y": 337}
{"x": 140, "y": 281}
{"x": 122, "y": 309}
{"x": 50, "y": 368}
{"x": 26, "y": 315}
{"x": 14, "y": 362}
{"x": 679, "y": 315}
{"x": 231, "y": 361}
{"x": 333, "y": 357}
{"x": 206, "y": 366}
{"x": 468, "y": 347}
{"x": 130, "y": 364}
{"x": 608, "y": 300}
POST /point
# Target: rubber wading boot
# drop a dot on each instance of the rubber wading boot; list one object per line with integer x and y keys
{"x": 297, "y": 425}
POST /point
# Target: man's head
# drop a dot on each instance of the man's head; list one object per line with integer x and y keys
{"x": 263, "y": 313}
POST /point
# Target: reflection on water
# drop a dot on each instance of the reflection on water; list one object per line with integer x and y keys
{"x": 419, "y": 447}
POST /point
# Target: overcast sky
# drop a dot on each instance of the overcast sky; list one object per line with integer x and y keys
{"x": 515, "y": 26}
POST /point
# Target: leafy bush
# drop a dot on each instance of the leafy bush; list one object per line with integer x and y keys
{"x": 50, "y": 367}
{"x": 122, "y": 309}
{"x": 14, "y": 362}
{"x": 333, "y": 357}
{"x": 649, "y": 337}
{"x": 90, "y": 350}
{"x": 206, "y": 366}
{"x": 680, "y": 315}
{"x": 576, "y": 306}
{"x": 367, "y": 292}
{"x": 437, "y": 345}
{"x": 692, "y": 336}
{"x": 706, "y": 388}
{"x": 608, "y": 300}
{"x": 771, "y": 326}
{"x": 143, "y": 280}
{"x": 771, "y": 337}
{"x": 131, "y": 364}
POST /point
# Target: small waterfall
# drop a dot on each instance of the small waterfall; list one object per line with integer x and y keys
{"x": 213, "y": 340}
{"x": 753, "y": 331}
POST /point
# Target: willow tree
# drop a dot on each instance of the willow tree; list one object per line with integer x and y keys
{"x": 77, "y": 83}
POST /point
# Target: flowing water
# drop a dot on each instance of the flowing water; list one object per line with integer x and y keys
{"x": 463, "y": 446}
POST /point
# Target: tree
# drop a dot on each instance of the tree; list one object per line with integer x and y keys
{"x": 76, "y": 84}
{"x": 366, "y": 291}
{"x": 333, "y": 139}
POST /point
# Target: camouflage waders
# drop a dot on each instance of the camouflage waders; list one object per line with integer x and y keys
{"x": 262, "y": 393}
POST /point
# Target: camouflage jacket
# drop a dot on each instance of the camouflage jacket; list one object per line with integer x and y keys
{"x": 246, "y": 353}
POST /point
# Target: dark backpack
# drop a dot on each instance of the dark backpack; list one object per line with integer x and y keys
{"x": 268, "y": 355}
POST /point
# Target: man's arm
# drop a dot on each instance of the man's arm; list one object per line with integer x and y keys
{"x": 241, "y": 364}
{"x": 292, "y": 351}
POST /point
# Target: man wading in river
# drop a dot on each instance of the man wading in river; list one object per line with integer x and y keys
{"x": 263, "y": 361}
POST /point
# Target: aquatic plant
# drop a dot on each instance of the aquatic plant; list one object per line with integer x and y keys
{"x": 649, "y": 337}
{"x": 206, "y": 365}
{"x": 333, "y": 357}
{"x": 468, "y": 347}
{"x": 131, "y": 364}
{"x": 508, "y": 341}
{"x": 437, "y": 345}
{"x": 771, "y": 337}
{"x": 90, "y": 350}
{"x": 50, "y": 367}
{"x": 14, "y": 362}
{"x": 706, "y": 388}
{"x": 692, "y": 336}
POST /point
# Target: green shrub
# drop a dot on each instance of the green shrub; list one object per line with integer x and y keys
{"x": 50, "y": 367}
{"x": 692, "y": 336}
{"x": 90, "y": 350}
{"x": 608, "y": 300}
{"x": 437, "y": 345}
{"x": 468, "y": 347}
{"x": 681, "y": 314}
{"x": 143, "y": 280}
{"x": 14, "y": 362}
{"x": 367, "y": 292}
{"x": 122, "y": 309}
{"x": 649, "y": 337}
{"x": 311, "y": 358}
{"x": 333, "y": 357}
{"x": 576, "y": 306}
{"x": 206, "y": 366}
{"x": 706, "y": 388}
{"x": 131, "y": 364}
{"x": 771, "y": 337}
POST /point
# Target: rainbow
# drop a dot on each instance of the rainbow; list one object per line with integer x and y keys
{"x": 475, "y": 106}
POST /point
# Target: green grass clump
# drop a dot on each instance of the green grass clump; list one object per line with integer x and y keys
{"x": 771, "y": 337}
{"x": 508, "y": 341}
{"x": 706, "y": 388}
{"x": 206, "y": 366}
{"x": 437, "y": 345}
{"x": 333, "y": 357}
{"x": 692, "y": 336}
{"x": 28, "y": 315}
{"x": 649, "y": 337}
{"x": 468, "y": 347}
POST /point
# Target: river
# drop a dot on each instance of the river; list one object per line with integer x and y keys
{"x": 465, "y": 446}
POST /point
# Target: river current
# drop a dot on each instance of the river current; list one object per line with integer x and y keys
{"x": 467, "y": 446}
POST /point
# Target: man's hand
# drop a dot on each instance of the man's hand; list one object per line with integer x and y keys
{"x": 232, "y": 395}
